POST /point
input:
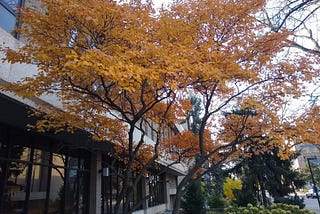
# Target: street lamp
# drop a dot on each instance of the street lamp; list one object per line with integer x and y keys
{"x": 315, "y": 188}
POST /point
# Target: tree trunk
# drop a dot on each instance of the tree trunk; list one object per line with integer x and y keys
{"x": 177, "y": 199}
{"x": 263, "y": 191}
{"x": 184, "y": 181}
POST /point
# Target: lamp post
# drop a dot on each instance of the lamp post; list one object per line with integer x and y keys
{"x": 313, "y": 181}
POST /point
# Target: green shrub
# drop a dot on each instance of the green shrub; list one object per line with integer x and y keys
{"x": 290, "y": 209}
{"x": 243, "y": 198}
{"x": 216, "y": 202}
{"x": 293, "y": 201}
{"x": 194, "y": 198}
{"x": 273, "y": 209}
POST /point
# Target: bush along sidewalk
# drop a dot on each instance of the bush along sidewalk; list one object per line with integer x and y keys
{"x": 273, "y": 209}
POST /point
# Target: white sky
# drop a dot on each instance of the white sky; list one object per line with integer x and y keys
{"x": 158, "y": 3}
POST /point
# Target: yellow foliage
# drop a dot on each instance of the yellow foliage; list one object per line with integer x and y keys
{"x": 229, "y": 186}
{"x": 112, "y": 64}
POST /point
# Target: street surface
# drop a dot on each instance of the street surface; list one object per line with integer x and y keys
{"x": 311, "y": 204}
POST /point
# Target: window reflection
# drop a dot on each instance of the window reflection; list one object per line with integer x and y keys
{"x": 38, "y": 189}
{"x": 56, "y": 190}
{"x": 15, "y": 187}
{"x": 14, "y": 173}
{"x": 41, "y": 182}
{"x": 12, "y": 4}
{"x": 155, "y": 189}
{"x": 112, "y": 184}
{"x": 8, "y": 9}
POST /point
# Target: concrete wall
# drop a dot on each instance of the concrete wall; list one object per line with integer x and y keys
{"x": 15, "y": 72}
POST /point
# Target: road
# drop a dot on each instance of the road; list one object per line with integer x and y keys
{"x": 312, "y": 204}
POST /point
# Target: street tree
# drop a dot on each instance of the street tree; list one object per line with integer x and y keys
{"x": 101, "y": 60}
{"x": 220, "y": 92}
{"x": 117, "y": 67}
{"x": 230, "y": 186}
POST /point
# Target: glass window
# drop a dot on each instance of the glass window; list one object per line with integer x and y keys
{"x": 13, "y": 175}
{"x": 8, "y": 10}
{"x": 75, "y": 191}
{"x": 18, "y": 152}
{"x": 15, "y": 187}
{"x": 155, "y": 189}
{"x": 38, "y": 184}
{"x": 41, "y": 182}
{"x": 112, "y": 185}
{"x": 11, "y": 4}
{"x": 56, "y": 190}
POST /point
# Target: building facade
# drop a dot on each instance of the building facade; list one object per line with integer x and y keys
{"x": 59, "y": 173}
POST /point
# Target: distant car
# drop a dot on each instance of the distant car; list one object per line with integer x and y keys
{"x": 311, "y": 194}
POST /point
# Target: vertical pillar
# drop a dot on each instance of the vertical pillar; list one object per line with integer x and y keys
{"x": 144, "y": 194}
{"x": 95, "y": 184}
{"x": 166, "y": 190}
{"x": 28, "y": 183}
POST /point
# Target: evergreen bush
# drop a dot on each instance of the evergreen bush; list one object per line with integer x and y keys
{"x": 194, "y": 198}
{"x": 216, "y": 202}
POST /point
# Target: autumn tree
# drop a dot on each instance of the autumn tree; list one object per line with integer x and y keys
{"x": 239, "y": 63}
{"x": 121, "y": 67}
{"x": 105, "y": 64}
